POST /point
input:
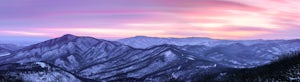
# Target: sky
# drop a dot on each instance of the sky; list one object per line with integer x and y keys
{"x": 115, "y": 19}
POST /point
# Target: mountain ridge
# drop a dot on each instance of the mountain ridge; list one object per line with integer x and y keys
{"x": 283, "y": 69}
{"x": 85, "y": 55}
{"x": 103, "y": 60}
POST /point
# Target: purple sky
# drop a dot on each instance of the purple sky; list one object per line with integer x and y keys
{"x": 113, "y": 19}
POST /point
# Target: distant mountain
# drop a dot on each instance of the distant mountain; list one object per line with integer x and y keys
{"x": 10, "y": 47}
{"x": 4, "y": 52}
{"x": 227, "y": 52}
{"x": 145, "y": 42}
{"x": 234, "y": 54}
{"x": 7, "y": 49}
{"x": 20, "y": 41}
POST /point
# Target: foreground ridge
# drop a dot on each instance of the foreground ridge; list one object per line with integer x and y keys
{"x": 284, "y": 69}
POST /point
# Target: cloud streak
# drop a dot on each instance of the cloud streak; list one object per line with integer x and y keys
{"x": 224, "y": 19}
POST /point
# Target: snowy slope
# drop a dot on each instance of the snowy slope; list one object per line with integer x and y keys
{"x": 145, "y": 42}
{"x": 239, "y": 55}
{"x": 7, "y": 49}
{"x": 35, "y": 72}
{"x": 101, "y": 60}
{"x": 11, "y": 47}
{"x": 4, "y": 52}
{"x": 283, "y": 70}
{"x": 227, "y": 52}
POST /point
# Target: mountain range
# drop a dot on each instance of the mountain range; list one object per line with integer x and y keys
{"x": 141, "y": 58}
{"x": 230, "y": 52}
{"x": 7, "y": 49}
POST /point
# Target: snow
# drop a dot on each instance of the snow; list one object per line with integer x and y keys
{"x": 190, "y": 58}
{"x": 145, "y": 42}
{"x": 223, "y": 74}
{"x": 42, "y": 64}
{"x": 170, "y": 56}
{"x": 49, "y": 77}
{"x": 294, "y": 79}
{"x": 178, "y": 68}
{"x": 207, "y": 66}
{"x": 4, "y": 54}
{"x": 174, "y": 75}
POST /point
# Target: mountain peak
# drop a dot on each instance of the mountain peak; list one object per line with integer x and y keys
{"x": 60, "y": 40}
{"x": 171, "y": 37}
{"x": 69, "y": 35}
{"x": 141, "y": 37}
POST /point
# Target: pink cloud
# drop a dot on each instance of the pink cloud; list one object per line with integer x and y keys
{"x": 26, "y": 33}
{"x": 230, "y": 19}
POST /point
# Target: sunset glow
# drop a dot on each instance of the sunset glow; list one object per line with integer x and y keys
{"x": 108, "y": 19}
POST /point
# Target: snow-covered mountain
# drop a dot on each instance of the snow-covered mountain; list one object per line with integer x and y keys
{"x": 239, "y": 55}
{"x": 285, "y": 69}
{"x": 145, "y": 41}
{"x": 102, "y": 60}
{"x": 7, "y": 49}
{"x": 10, "y": 47}
{"x": 229, "y": 52}
{"x": 4, "y": 52}
{"x": 36, "y": 72}
{"x": 20, "y": 43}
